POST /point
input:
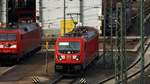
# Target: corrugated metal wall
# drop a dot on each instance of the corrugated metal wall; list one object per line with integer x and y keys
{"x": 3, "y": 13}
{"x": 53, "y": 12}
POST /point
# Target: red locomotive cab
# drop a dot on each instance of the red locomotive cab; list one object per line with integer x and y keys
{"x": 68, "y": 51}
{"x": 8, "y": 43}
{"x": 18, "y": 40}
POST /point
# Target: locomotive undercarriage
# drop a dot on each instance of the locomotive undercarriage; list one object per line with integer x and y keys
{"x": 68, "y": 68}
{"x": 8, "y": 58}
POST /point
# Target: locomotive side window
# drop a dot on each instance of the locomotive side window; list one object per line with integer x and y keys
{"x": 11, "y": 36}
{"x": 5, "y": 37}
{"x": 69, "y": 47}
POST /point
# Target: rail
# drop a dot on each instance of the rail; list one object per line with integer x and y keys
{"x": 138, "y": 60}
{"x": 131, "y": 66}
{"x": 7, "y": 69}
{"x": 56, "y": 80}
{"x": 64, "y": 79}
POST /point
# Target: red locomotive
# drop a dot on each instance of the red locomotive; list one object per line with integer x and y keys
{"x": 24, "y": 37}
{"x": 19, "y": 40}
{"x": 75, "y": 50}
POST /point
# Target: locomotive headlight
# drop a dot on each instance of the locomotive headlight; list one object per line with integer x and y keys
{"x": 10, "y": 46}
{"x": 78, "y": 58}
{"x": 75, "y": 57}
{"x": 13, "y": 46}
{"x": 61, "y": 57}
{"x": 1, "y": 46}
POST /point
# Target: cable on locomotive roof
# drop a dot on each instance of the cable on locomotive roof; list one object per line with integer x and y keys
{"x": 85, "y": 31}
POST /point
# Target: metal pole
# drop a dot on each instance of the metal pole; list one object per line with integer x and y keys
{"x": 142, "y": 40}
{"x": 116, "y": 43}
{"x": 81, "y": 12}
{"x": 121, "y": 45}
{"x": 124, "y": 8}
{"x": 64, "y": 17}
{"x": 6, "y": 16}
{"x": 104, "y": 33}
{"x": 1, "y": 11}
{"x": 46, "y": 60}
{"x": 41, "y": 12}
{"x": 46, "y": 54}
{"x": 111, "y": 42}
{"x": 119, "y": 62}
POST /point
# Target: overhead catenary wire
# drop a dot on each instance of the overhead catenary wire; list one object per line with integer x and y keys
{"x": 55, "y": 20}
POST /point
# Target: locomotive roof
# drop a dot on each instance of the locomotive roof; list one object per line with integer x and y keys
{"x": 82, "y": 31}
{"x": 24, "y": 26}
{"x": 27, "y": 27}
{"x": 9, "y": 27}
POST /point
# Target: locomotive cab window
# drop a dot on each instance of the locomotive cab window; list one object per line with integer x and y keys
{"x": 69, "y": 47}
{"x": 5, "y": 37}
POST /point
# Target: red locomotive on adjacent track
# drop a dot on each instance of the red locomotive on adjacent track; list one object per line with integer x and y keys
{"x": 19, "y": 40}
{"x": 24, "y": 37}
{"x": 75, "y": 50}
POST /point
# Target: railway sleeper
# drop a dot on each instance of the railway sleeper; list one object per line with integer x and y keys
{"x": 69, "y": 68}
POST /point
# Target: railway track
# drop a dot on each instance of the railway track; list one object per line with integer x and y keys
{"x": 62, "y": 79}
{"x": 5, "y": 69}
{"x": 29, "y": 69}
{"x": 133, "y": 69}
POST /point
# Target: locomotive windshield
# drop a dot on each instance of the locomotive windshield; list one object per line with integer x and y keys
{"x": 6, "y": 37}
{"x": 69, "y": 47}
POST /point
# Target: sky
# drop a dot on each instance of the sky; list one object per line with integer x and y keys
{"x": 53, "y": 12}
